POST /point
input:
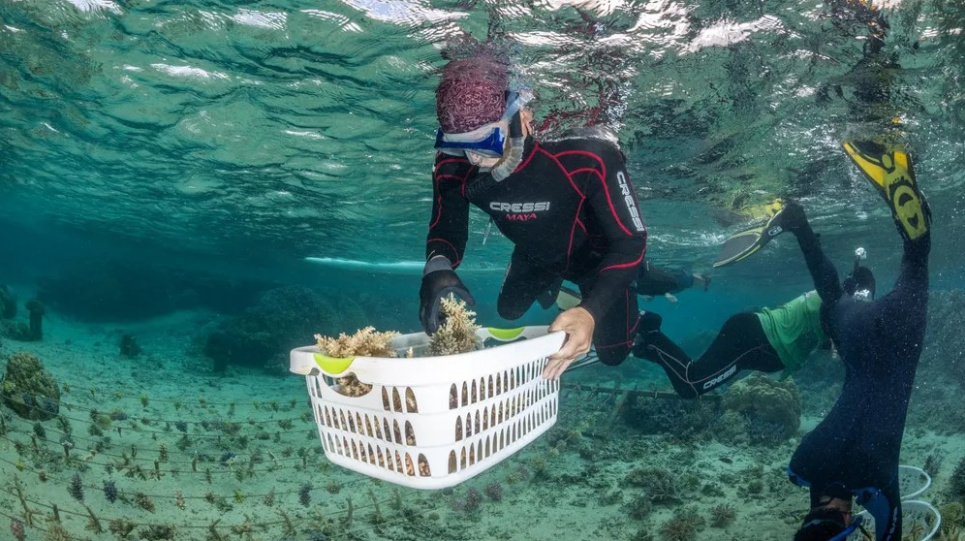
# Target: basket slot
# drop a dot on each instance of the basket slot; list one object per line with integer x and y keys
{"x": 409, "y": 434}
{"x": 396, "y": 400}
{"x": 411, "y": 405}
{"x": 465, "y": 394}
{"x": 385, "y": 400}
{"x": 424, "y": 470}
{"x": 468, "y": 425}
{"x": 453, "y": 465}
{"x": 472, "y": 392}
{"x": 462, "y": 461}
{"x": 398, "y": 463}
{"x": 397, "y": 432}
{"x": 482, "y": 388}
{"x": 381, "y": 457}
{"x": 499, "y": 384}
{"x": 458, "y": 429}
{"x": 490, "y": 395}
{"x": 409, "y": 467}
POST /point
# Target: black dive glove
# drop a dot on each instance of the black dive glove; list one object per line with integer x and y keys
{"x": 438, "y": 280}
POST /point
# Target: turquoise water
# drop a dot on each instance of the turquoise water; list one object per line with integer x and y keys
{"x": 164, "y": 164}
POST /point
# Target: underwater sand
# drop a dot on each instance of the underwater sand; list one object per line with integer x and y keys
{"x": 569, "y": 484}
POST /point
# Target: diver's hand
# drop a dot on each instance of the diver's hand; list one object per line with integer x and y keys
{"x": 578, "y": 324}
{"x": 438, "y": 281}
{"x": 670, "y": 298}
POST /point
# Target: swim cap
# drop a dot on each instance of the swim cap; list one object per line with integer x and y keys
{"x": 471, "y": 93}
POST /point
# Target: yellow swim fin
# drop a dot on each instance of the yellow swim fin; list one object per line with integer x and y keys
{"x": 746, "y": 243}
{"x": 890, "y": 170}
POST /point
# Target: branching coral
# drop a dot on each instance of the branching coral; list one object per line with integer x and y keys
{"x": 365, "y": 342}
{"x": 457, "y": 334}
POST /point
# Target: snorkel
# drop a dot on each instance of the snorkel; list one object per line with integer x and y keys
{"x": 513, "y": 155}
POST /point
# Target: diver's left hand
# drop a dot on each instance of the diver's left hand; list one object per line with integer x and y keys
{"x": 578, "y": 324}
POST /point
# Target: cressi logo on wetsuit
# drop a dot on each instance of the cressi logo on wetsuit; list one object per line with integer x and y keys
{"x": 630, "y": 199}
{"x": 723, "y": 377}
{"x": 520, "y": 212}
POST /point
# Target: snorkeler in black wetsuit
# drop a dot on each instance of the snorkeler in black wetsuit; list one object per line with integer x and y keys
{"x": 568, "y": 206}
{"x": 854, "y": 450}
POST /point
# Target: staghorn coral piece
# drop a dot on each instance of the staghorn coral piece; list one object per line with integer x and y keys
{"x": 365, "y": 342}
{"x": 457, "y": 334}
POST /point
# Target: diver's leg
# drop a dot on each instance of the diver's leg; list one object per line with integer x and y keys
{"x": 740, "y": 345}
{"x": 906, "y": 306}
{"x": 825, "y": 276}
{"x": 523, "y": 283}
{"x": 613, "y": 335}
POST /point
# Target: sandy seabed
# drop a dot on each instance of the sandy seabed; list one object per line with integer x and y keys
{"x": 199, "y": 456}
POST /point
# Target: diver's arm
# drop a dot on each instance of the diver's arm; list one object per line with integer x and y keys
{"x": 449, "y": 223}
{"x": 612, "y": 199}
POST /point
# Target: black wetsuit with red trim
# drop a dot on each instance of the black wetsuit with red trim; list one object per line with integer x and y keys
{"x": 572, "y": 213}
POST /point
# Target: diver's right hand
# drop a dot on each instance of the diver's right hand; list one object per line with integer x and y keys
{"x": 438, "y": 281}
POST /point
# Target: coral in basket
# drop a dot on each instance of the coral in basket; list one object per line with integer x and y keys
{"x": 457, "y": 334}
{"x": 365, "y": 342}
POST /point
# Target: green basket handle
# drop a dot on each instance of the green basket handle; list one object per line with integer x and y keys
{"x": 505, "y": 335}
{"x": 333, "y": 365}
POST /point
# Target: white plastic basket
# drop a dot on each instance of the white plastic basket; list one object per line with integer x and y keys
{"x": 434, "y": 422}
{"x": 920, "y": 521}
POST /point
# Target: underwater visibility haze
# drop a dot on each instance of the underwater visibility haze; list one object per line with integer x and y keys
{"x": 190, "y": 189}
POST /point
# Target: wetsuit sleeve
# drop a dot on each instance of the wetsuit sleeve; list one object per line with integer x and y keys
{"x": 449, "y": 223}
{"x": 612, "y": 199}
{"x": 825, "y": 276}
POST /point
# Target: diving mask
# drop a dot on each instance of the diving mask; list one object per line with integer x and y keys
{"x": 488, "y": 140}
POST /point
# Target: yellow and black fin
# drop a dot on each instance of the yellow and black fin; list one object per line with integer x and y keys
{"x": 890, "y": 171}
